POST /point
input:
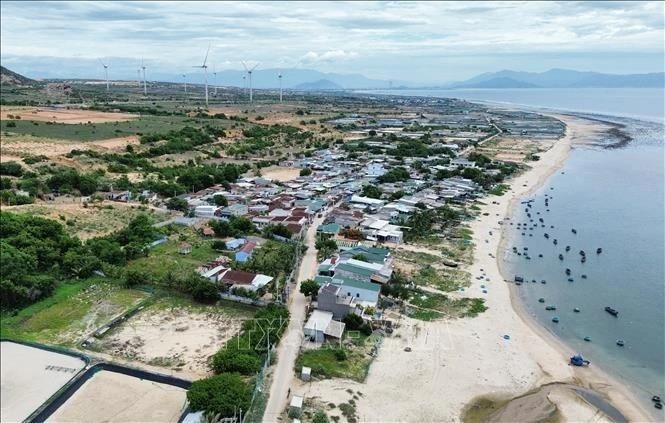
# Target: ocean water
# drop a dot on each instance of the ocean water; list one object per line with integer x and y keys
{"x": 614, "y": 198}
{"x": 638, "y": 103}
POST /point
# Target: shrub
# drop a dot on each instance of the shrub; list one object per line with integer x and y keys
{"x": 245, "y": 362}
{"x": 223, "y": 394}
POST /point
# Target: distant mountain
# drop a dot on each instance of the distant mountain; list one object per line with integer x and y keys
{"x": 562, "y": 78}
{"x": 8, "y": 77}
{"x": 321, "y": 84}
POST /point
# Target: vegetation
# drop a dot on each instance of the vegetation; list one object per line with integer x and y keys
{"x": 335, "y": 361}
{"x": 371, "y": 191}
{"x": 273, "y": 258}
{"x": 309, "y": 288}
{"x": 222, "y": 394}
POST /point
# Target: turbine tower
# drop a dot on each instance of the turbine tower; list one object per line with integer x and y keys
{"x": 145, "y": 84}
{"x": 205, "y": 70}
{"x": 184, "y": 79}
{"x": 279, "y": 75}
{"x": 214, "y": 79}
{"x": 249, "y": 73}
{"x": 106, "y": 74}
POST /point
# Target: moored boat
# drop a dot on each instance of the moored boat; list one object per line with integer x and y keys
{"x": 612, "y": 311}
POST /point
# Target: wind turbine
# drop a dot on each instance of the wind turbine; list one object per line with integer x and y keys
{"x": 145, "y": 85}
{"x": 249, "y": 73}
{"x": 244, "y": 84}
{"x": 184, "y": 79}
{"x": 106, "y": 74}
{"x": 205, "y": 70}
{"x": 138, "y": 75}
{"x": 279, "y": 75}
{"x": 214, "y": 78}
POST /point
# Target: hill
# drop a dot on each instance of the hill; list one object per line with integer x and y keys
{"x": 8, "y": 77}
{"x": 321, "y": 84}
{"x": 562, "y": 78}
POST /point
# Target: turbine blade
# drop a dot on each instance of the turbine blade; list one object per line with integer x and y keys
{"x": 206, "y": 58}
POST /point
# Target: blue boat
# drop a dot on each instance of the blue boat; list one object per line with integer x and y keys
{"x": 578, "y": 360}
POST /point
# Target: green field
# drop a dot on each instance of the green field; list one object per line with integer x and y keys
{"x": 430, "y": 306}
{"x": 101, "y": 131}
{"x": 325, "y": 363}
{"x": 74, "y": 310}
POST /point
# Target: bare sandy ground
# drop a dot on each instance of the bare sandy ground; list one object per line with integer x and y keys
{"x": 21, "y": 146}
{"x": 281, "y": 174}
{"x": 26, "y": 380}
{"x": 114, "y": 397}
{"x": 453, "y": 362}
{"x": 177, "y": 339}
{"x": 71, "y": 116}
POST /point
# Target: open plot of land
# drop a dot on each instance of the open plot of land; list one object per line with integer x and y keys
{"x": 115, "y": 397}
{"x": 59, "y": 115}
{"x": 281, "y": 174}
{"x": 87, "y": 222}
{"x": 30, "y": 376}
{"x": 20, "y": 145}
{"x": 71, "y": 312}
{"x": 176, "y": 333}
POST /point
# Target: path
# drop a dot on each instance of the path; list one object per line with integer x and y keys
{"x": 289, "y": 347}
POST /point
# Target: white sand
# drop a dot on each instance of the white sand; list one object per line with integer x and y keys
{"x": 452, "y": 362}
{"x": 114, "y": 397}
{"x": 25, "y": 382}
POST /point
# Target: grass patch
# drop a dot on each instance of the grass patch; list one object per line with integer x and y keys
{"x": 443, "y": 279}
{"x": 74, "y": 309}
{"x": 429, "y": 306}
{"x": 174, "y": 301}
{"x": 499, "y": 189}
{"x": 327, "y": 362}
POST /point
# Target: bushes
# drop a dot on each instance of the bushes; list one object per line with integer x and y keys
{"x": 176, "y": 203}
{"x": 232, "y": 360}
{"x": 309, "y": 287}
{"x": 224, "y": 394}
{"x": 11, "y": 169}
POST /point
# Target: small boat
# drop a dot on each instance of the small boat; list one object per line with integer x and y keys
{"x": 526, "y": 248}
{"x": 541, "y": 300}
{"x": 578, "y": 360}
{"x": 620, "y": 342}
{"x": 570, "y": 279}
{"x": 547, "y": 236}
{"x": 555, "y": 319}
{"x": 599, "y": 250}
{"x": 533, "y": 281}
{"x": 550, "y": 308}
{"x": 574, "y": 230}
{"x": 568, "y": 272}
{"x": 658, "y": 405}
{"x": 528, "y": 258}
{"x": 583, "y": 276}
{"x": 560, "y": 256}
{"x": 582, "y": 253}
{"x": 543, "y": 281}
{"x": 587, "y": 338}
{"x": 576, "y": 310}
{"x": 540, "y": 255}
{"x": 612, "y": 311}
{"x": 540, "y": 220}
{"x": 556, "y": 242}
{"x": 567, "y": 248}
{"x": 655, "y": 398}
{"x": 583, "y": 259}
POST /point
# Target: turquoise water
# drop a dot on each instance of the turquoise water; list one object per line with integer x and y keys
{"x": 614, "y": 198}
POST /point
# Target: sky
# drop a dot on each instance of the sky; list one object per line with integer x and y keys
{"x": 423, "y": 42}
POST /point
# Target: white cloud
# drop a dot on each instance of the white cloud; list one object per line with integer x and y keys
{"x": 327, "y": 56}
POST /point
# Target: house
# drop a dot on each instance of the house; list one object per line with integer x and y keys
{"x": 329, "y": 229}
{"x": 366, "y": 293}
{"x": 331, "y": 299}
{"x": 212, "y": 274}
{"x": 321, "y": 325}
{"x": 245, "y": 251}
{"x": 464, "y": 163}
{"x": 234, "y": 244}
{"x": 367, "y": 201}
{"x": 235, "y": 210}
{"x": 121, "y": 196}
{"x": 239, "y": 279}
{"x": 374, "y": 170}
{"x": 205, "y": 211}
{"x": 207, "y": 231}
{"x": 184, "y": 248}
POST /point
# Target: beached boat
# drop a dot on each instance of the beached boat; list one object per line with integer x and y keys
{"x": 578, "y": 360}
{"x": 612, "y": 311}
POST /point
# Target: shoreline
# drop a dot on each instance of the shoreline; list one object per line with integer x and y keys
{"x": 594, "y": 378}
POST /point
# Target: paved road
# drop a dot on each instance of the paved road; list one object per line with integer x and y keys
{"x": 289, "y": 346}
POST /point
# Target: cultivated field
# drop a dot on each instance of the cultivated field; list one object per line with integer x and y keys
{"x": 114, "y": 397}
{"x": 176, "y": 333}
{"x": 28, "y": 378}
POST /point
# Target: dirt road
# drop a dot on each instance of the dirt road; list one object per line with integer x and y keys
{"x": 288, "y": 348}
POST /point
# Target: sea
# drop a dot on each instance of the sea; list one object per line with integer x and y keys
{"x": 614, "y": 199}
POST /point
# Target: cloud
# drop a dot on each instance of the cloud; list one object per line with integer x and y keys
{"x": 327, "y": 56}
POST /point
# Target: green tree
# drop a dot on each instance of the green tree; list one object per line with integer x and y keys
{"x": 176, "y": 203}
{"x": 223, "y": 394}
{"x": 306, "y": 171}
{"x": 232, "y": 359}
{"x": 134, "y": 277}
{"x": 309, "y": 288}
{"x": 220, "y": 200}
{"x": 371, "y": 191}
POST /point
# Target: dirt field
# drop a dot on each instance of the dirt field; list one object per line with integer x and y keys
{"x": 178, "y": 338}
{"x": 114, "y": 397}
{"x": 281, "y": 174}
{"x": 72, "y": 116}
{"x": 27, "y": 381}
{"x": 22, "y": 145}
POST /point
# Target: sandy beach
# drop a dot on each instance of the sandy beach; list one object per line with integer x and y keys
{"x": 453, "y": 362}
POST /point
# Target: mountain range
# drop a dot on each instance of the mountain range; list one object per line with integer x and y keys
{"x": 561, "y": 78}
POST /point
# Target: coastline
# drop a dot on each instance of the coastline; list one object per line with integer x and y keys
{"x": 590, "y": 377}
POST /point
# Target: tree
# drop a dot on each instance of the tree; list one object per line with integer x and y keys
{"x": 371, "y": 191}
{"x": 80, "y": 263}
{"x": 222, "y": 228}
{"x": 306, "y": 171}
{"x": 134, "y": 277}
{"x": 201, "y": 289}
{"x": 176, "y": 203}
{"x": 278, "y": 229}
{"x": 220, "y": 200}
{"x": 11, "y": 169}
{"x": 309, "y": 288}
{"x": 372, "y": 133}
{"x": 241, "y": 225}
{"x": 231, "y": 359}
{"x": 320, "y": 417}
{"x": 223, "y": 394}
{"x": 326, "y": 247}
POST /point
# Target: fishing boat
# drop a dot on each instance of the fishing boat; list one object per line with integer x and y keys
{"x": 574, "y": 230}
{"x": 560, "y": 256}
{"x": 620, "y": 342}
{"x": 587, "y": 338}
{"x": 550, "y": 308}
{"x": 612, "y": 311}
{"x": 576, "y": 310}
{"x": 555, "y": 319}
{"x": 541, "y": 300}
{"x": 599, "y": 250}
{"x": 556, "y": 242}
{"x": 568, "y": 272}
{"x": 567, "y": 248}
